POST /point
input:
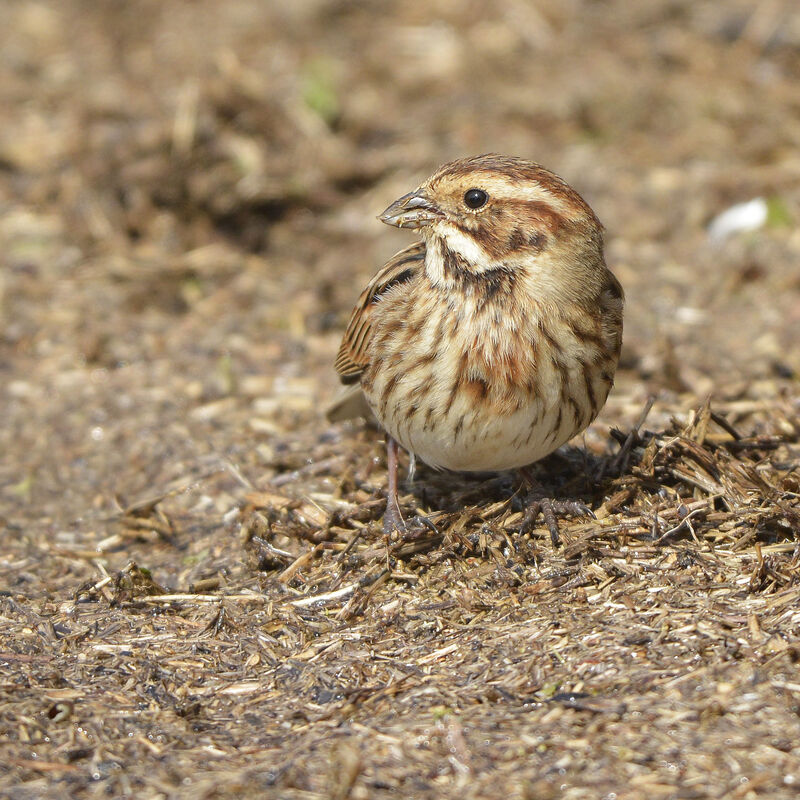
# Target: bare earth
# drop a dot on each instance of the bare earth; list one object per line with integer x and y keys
{"x": 196, "y": 600}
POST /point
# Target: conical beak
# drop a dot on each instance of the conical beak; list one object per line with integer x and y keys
{"x": 412, "y": 210}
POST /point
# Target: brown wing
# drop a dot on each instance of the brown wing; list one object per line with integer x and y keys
{"x": 352, "y": 359}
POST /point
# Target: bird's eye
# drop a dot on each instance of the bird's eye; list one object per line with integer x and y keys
{"x": 475, "y": 198}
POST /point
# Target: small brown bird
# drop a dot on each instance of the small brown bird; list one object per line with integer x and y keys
{"x": 494, "y": 340}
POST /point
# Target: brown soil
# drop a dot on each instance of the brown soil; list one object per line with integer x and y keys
{"x": 195, "y": 595}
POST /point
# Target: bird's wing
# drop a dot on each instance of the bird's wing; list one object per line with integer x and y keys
{"x": 352, "y": 359}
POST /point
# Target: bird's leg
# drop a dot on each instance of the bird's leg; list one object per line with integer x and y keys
{"x": 392, "y": 518}
{"x": 548, "y": 507}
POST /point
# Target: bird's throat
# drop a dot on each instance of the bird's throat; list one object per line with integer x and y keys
{"x": 453, "y": 257}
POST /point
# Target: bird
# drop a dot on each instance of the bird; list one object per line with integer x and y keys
{"x": 493, "y": 340}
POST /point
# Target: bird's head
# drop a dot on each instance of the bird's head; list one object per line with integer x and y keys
{"x": 492, "y": 211}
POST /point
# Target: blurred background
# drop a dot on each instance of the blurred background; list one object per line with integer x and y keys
{"x": 188, "y": 193}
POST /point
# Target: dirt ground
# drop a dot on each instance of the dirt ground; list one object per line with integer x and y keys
{"x": 196, "y": 600}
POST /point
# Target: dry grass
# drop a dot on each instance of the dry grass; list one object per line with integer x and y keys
{"x": 653, "y": 653}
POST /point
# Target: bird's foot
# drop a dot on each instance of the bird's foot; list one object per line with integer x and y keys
{"x": 392, "y": 519}
{"x": 393, "y": 522}
{"x": 551, "y": 509}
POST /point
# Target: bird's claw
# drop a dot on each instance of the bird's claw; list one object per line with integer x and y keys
{"x": 551, "y": 509}
{"x": 394, "y": 522}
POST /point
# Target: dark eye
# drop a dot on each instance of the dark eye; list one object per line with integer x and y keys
{"x": 475, "y": 198}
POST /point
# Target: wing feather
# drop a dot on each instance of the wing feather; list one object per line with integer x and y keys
{"x": 402, "y": 267}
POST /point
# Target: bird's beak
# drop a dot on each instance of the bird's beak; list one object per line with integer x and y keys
{"x": 412, "y": 210}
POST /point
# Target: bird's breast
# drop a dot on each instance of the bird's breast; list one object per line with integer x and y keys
{"x": 466, "y": 384}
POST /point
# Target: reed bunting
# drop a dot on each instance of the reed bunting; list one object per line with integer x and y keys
{"x": 494, "y": 340}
